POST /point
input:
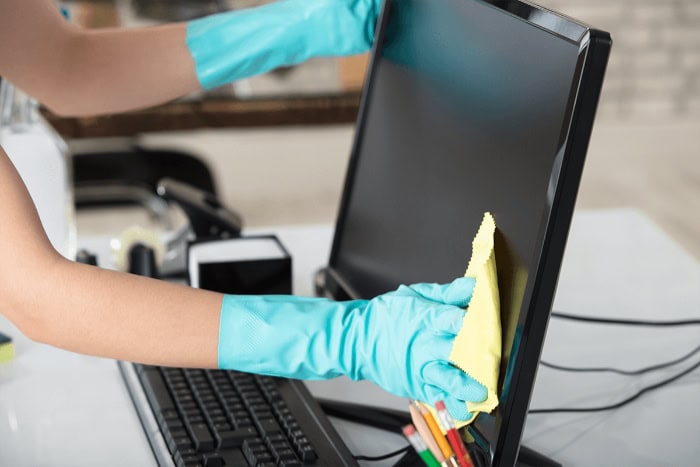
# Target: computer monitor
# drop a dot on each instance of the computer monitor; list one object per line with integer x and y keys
{"x": 471, "y": 106}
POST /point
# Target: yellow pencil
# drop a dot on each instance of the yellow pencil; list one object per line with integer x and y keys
{"x": 435, "y": 430}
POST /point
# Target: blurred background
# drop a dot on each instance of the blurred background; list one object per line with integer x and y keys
{"x": 285, "y": 164}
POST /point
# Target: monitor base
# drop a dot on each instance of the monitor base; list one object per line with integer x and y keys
{"x": 394, "y": 420}
{"x": 529, "y": 458}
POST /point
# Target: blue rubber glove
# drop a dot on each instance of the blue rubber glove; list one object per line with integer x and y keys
{"x": 400, "y": 340}
{"x": 244, "y": 43}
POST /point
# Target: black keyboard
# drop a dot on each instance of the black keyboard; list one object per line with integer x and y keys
{"x": 218, "y": 418}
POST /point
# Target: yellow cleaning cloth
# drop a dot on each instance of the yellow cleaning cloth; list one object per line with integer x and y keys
{"x": 477, "y": 347}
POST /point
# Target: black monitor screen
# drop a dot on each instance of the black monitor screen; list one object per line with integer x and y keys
{"x": 467, "y": 110}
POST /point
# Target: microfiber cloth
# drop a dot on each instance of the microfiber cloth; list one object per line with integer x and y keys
{"x": 477, "y": 347}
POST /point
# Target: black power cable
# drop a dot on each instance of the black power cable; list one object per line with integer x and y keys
{"x": 623, "y": 402}
{"x": 624, "y": 322}
{"x": 619, "y": 371}
{"x": 382, "y": 457}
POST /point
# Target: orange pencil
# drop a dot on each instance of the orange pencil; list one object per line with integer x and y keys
{"x": 425, "y": 433}
{"x": 435, "y": 429}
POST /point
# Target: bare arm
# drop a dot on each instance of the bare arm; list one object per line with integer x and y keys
{"x": 94, "y": 311}
{"x": 78, "y": 72}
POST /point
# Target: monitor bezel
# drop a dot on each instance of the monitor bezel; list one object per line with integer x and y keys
{"x": 594, "y": 47}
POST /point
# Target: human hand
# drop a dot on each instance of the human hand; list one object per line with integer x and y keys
{"x": 243, "y": 43}
{"x": 401, "y": 341}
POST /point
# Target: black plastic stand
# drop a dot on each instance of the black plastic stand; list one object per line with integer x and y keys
{"x": 384, "y": 419}
{"x": 393, "y": 420}
{"x": 529, "y": 458}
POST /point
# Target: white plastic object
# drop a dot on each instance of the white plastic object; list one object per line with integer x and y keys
{"x": 40, "y": 157}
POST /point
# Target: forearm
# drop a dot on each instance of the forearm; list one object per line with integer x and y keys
{"x": 117, "y": 315}
{"x": 80, "y": 72}
{"x": 91, "y": 310}
{"x": 117, "y": 70}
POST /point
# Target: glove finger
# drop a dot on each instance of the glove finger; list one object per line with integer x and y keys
{"x": 456, "y": 293}
{"x": 454, "y": 382}
{"x": 456, "y": 408}
{"x": 445, "y": 320}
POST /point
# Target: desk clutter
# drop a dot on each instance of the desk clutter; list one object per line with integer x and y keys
{"x": 426, "y": 436}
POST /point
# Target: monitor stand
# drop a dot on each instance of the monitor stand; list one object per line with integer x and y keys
{"x": 393, "y": 420}
{"x": 529, "y": 458}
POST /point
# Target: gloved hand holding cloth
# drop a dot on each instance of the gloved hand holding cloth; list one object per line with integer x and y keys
{"x": 400, "y": 340}
{"x": 243, "y": 43}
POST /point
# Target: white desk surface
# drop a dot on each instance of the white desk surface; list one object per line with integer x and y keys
{"x": 62, "y": 409}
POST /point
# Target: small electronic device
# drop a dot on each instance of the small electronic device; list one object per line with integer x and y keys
{"x": 251, "y": 265}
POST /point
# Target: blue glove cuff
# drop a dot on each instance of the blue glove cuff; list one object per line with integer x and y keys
{"x": 296, "y": 337}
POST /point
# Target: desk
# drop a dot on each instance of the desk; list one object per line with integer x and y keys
{"x": 59, "y": 408}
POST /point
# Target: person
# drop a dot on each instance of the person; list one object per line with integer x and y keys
{"x": 399, "y": 340}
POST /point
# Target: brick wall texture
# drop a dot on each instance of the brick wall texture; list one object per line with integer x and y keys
{"x": 654, "y": 68}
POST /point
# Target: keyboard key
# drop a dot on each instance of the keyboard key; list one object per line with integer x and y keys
{"x": 264, "y": 459}
{"x": 177, "y": 457}
{"x": 255, "y": 452}
{"x": 190, "y": 461}
{"x": 178, "y": 444}
{"x": 213, "y": 460}
{"x": 201, "y": 437}
{"x": 219, "y": 419}
{"x": 167, "y": 415}
{"x": 289, "y": 463}
{"x": 307, "y": 453}
{"x": 186, "y": 452}
{"x": 253, "y": 400}
{"x": 177, "y": 433}
{"x": 267, "y": 426}
{"x": 276, "y": 438}
{"x": 260, "y": 407}
{"x": 208, "y": 399}
{"x": 193, "y": 419}
{"x": 244, "y": 423}
{"x": 233, "y": 457}
{"x": 272, "y": 396}
{"x": 235, "y": 438}
{"x": 286, "y": 455}
{"x": 235, "y": 406}
{"x": 179, "y": 385}
{"x": 281, "y": 450}
{"x": 221, "y": 426}
{"x": 171, "y": 425}
{"x": 189, "y": 406}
